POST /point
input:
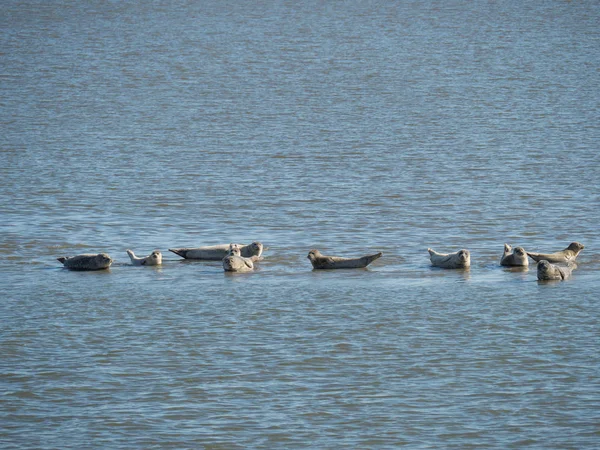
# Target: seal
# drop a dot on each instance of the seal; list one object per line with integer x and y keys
{"x": 459, "y": 260}
{"x": 153, "y": 259}
{"x": 320, "y": 261}
{"x": 86, "y": 261}
{"x": 548, "y": 271}
{"x": 569, "y": 254}
{"x": 218, "y": 252}
{"x": 514, "y": 257}
{"x": 235, "y": 262}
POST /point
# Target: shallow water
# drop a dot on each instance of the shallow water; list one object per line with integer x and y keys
{"x": 348, "y": 127}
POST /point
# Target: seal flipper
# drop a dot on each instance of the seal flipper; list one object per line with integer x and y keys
{"x": 62, "y": 259}
{"x": 179, "y": 251}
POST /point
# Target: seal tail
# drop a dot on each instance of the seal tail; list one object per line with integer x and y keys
{"x": 62, "y": 259}
{"x": 134, "y": 259}
{"x": 535, "y": 256}
{"x": 178, "y": 251}
{"x": 369, "y": 259}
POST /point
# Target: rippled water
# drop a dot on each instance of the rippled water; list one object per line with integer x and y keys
{"x": 352, "y": 127}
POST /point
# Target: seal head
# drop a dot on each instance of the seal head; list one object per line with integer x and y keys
{"x": 253, "y": 249}
{"x": 576, "y": 247}
{"x": 464, "y": 256}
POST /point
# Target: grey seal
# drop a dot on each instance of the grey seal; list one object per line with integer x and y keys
{"x": 514, "y": 257}
{"x": 549, "y": 271}
{"x": 153, "y": 259}
{"x": 218, "y": 252}
{"x": 458, "y": 260}
{"x": 235, "y": 262}
{"x": 569, "y": 254}
{"x": 86, "y": 261}
{"x": 320, "y": 261}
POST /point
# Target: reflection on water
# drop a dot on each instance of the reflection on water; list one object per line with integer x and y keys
{"x": 516, "y": 269}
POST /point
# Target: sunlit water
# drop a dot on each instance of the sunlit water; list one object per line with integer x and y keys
{"x": 351, "y": 127}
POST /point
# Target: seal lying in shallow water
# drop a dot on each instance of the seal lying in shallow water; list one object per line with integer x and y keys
{"x": 235, "y": 262}
{"x": 548, "y": 271}
{"x": 569, "y": 254}
{"x": 153, "y": 259}
{"x": 514, "y": 257}
{"x": 86, "y": 261}
{"x": 218, "y": 252}
{"x": 459, "y": 260}
{"x": 320, "y": 261}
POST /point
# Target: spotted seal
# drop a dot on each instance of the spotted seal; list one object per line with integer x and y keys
{"x": 153, "y": 259}
{"x": 218, "y": 252}
{"x": 86, "y": 261}
{"x": 548, "y": 271}
{"x": 569, "y": 254}
{"x": 235, "y": 262}
{"x": 514, "y": 257}
{"x": 459, "y": 260}
{"x": 320, "y": 261}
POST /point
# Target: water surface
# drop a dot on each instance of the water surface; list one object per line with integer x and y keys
{"x": 348, "y": 127}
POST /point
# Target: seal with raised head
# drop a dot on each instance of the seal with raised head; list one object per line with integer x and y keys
{"x": 153, "y": 259}
{"x": 514, "y": 257}
{"x": 235, "y": 262}
{"x": 548, "y": 271}
{"x": 320, "y": 261}
{"x": 458, "y": 260}
{"x": 569, "y": 254}
{"x": 218, "y": 252}
{"x": 86, "y": 261}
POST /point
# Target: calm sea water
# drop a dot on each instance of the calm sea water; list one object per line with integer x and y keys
{"x": 351, "y": 127}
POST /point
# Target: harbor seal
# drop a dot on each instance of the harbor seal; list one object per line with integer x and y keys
{"x": 235, "y": 262}
{"x": 86, "y": 261}
{"x": 153, "y": 259}
{"x": 547, "y": 271}
{"x": 514, "y": 257}
{"x": 569, "y": 254}
{"x": 459, "y": 260}
{"x": 320, "y": 261}
{"x": 218, "y": 252}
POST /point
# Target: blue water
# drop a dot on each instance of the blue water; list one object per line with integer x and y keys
{"x": 351, "y": 127}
